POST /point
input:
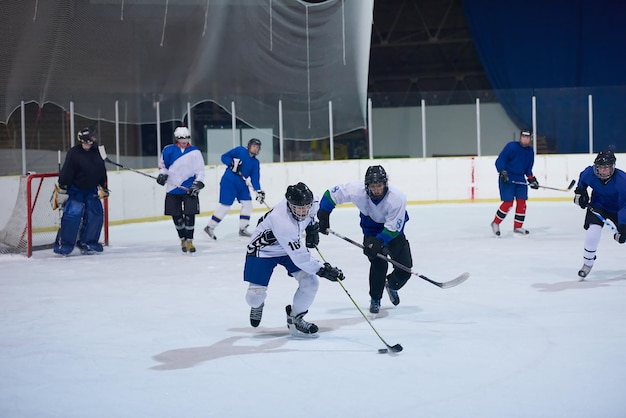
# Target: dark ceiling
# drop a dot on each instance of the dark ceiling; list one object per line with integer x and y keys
{"x": 423, "y": 48}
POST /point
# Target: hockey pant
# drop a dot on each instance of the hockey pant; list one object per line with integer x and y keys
{"x": 82, "y": 221}
{"x": 400, "y": 251}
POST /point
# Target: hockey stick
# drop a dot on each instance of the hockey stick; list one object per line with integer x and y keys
{"x": 106, "y": 159}
{"x": 394, "y": 348}
{"x": 444, "y": 285}
{"x": 603, "y": 219}
{"x": 571, "y": 185}
{"x": 249, "y": 184}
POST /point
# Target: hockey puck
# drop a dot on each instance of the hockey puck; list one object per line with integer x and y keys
{"x": 382, "y": 350}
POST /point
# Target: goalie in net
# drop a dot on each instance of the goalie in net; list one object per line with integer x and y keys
{"x": 42, "y": 206}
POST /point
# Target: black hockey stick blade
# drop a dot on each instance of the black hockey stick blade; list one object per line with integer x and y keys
{"x": 446, "y": 285}
{"x": 393, "y": 348}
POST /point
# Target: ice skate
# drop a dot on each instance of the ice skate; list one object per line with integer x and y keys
{"x": 298, "y": 327}
{"x": 393, "y": 294}
{"x": 584, "y": 271}
{"x": 520, "y": 231}
{"x": 183, "y": 245}
{"x": 495, "y": 228}
{"x": 190, "y": 247}
{"x": 210, "y": 231}
{"x": 244, "y": 232}
{"x": 255, "y": 315}
{"x": 375, "y": 306}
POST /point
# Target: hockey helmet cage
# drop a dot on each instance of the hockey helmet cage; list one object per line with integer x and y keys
{"x": 604, "y": 159}
{"x": 375, "y": 174}
{"x": 299, "y": 200}
{"x": 87, "y": 135}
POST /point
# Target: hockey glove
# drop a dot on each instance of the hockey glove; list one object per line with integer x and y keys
{"x": 235, "y": 165}
{"x": 373, "y": 246}
{"x": 312, "y": 235}
{"x": 581, "y": 198}
{"x": 162, "y": 179}
{"x": 621, "y": 234}
{"x": 260, "y": 196}
{"x": 504, "y": 177}
{"x": 59, "y": 197}
{"x": 195, "y": 188}
{"x": 533, "y": 183}
{"x": 331, "y": 273}
{"x": 324, "y": 218}
{"x": 103, "y": 192}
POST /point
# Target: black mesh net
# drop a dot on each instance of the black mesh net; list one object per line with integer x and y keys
{"x": 253, "y": 53}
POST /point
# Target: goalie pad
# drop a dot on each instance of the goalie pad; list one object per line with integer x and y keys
{"x": 59, "y": 198}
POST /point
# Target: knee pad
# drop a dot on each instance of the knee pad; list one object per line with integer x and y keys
{"x": 255, "y": 296}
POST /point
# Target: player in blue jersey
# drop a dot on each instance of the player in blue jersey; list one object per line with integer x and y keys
{"x": 243, "y": 171}
{"x": 383, "y": 216}
{"x": 515, "y": 165}
{"x": 83, "y": 178}
{"x": 608, "y": 199}
{"x": 181, "y": 171}
{"x": 276, "y": 240}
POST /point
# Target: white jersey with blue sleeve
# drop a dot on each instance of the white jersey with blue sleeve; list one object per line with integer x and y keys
{"x": 278, "y": 234}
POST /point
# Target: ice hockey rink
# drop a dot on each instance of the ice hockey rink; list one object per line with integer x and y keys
{"x": 143, "y": 330}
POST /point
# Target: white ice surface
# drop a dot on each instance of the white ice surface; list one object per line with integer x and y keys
{"x": 143, "y": 330}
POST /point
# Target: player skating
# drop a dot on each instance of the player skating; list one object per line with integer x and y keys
{"x": 608, "y": 201}
{"x": 515, "y": 161}
{"x": 243, "y": 169}
{"x": 181, "y": 171}
{"x": 383, "y": 217}
{"x": 276, "y": 240}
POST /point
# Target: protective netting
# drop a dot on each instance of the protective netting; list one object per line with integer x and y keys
{"x": 253, "y": 53}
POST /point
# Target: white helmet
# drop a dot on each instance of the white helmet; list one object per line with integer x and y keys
{"x": 181, "y": 134}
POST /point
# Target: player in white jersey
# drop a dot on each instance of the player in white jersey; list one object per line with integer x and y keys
{"x": 383, "y": 216}
{"x": 277, "y": 240}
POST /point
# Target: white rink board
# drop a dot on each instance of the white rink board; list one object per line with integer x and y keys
{"x": 135, "y": 197}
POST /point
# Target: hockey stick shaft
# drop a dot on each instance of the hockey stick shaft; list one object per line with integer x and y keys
{"x": 548, "y": 187}
{"x": 444, "y": 285}
{"x": 106, "y": 159}
{"x": 603, "y": 219}
{"x": 249, "y": 184}
{"x": 395, "y": 348}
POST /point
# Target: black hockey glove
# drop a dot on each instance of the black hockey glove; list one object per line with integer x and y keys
{"x": 533, "y": 183}
{"x": 260, "y": 196}
{"x": 312, "y": 235}
{"x": 373, "y": 246}
{"x": 235, "y": 165}
{"x": 195, "y": 188}
{"x": 581, "y": 198}
{"x": 324, "y": 218}
{"x": 621, "y": 234}
{"x": 504, "y": 177}
{"x": 331, "y": 273}
{"x": 162, "y": 179}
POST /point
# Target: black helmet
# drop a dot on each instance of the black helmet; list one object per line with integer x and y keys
{"x": 254, "y": 141}
{"x": 87, "y": 135}
{"x": 375, "y": 174}
{"x": 604, "y": 159}
{"x": 299, "y": 200}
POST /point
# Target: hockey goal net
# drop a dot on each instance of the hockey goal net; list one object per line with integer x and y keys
{"x": 33, "y": 225}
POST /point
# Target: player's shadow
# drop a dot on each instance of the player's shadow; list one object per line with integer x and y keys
{"x": 588, "y": 283}
{"x": 184, "y": 358}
